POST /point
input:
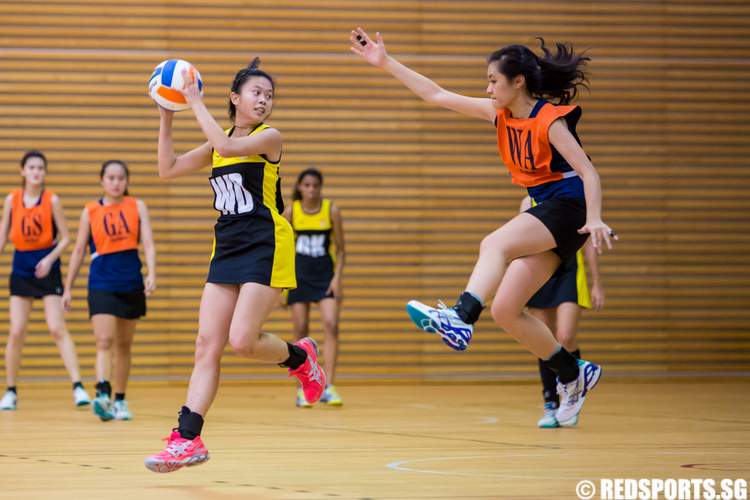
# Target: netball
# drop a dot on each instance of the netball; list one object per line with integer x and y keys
{"x": 166, "y": 83}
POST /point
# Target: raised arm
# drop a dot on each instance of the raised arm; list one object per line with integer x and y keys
{"x": 76, "y": 258}
{"x": 268, "y": 142}
{"x": 43, "y": 267}
{"x": 149, "y": 249}
{"x": 564, "y": 142}
{"x": 171, "y": 165}
{"x": 373, "y": 51}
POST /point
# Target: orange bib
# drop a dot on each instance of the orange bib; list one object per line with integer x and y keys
{"x": 524, "y": 144}
{"x": 114, "y": 228}
{"x": 32, "y": 228}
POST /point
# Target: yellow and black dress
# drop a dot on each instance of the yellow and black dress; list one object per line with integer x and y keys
{"x": 315, "y": 257}
{"x": 253, "y": 242}
{"x": 567, "y": 284}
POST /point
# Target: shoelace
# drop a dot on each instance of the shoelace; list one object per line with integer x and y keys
{"x": 175, "y": 448}
{"x": 314, "y": 373}
{"x": 573, "y": 397}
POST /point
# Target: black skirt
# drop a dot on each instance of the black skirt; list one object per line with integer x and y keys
{"x": 314, "y": 275}
{"x": 560, "y": 288}
{"x": 253, "y": 250}
{"x": 37, "y": 287}
{"x": 126, "y": 305}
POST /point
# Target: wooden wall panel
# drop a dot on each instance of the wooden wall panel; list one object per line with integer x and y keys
{"x": 665, "y": 123}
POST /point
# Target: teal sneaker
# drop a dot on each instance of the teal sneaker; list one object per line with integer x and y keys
{"x": 441, "y": 320}
{"x": 102, "y": 407}
{"x": 331, "y": 397}
{"x": 548, "y": 421}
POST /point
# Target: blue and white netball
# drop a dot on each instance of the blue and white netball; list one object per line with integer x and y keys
{"x": 166, "y": 83}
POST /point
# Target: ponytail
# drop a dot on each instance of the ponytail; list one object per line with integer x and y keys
{"x": 552, "y": 76}
{"x": 252, "y": 69}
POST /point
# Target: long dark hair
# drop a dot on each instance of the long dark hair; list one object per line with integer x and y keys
{"x": 124, "y": 168}
{"x": 27, "y": 156}
{"x": 252, "y": 69}
{"x": 553, "y": 76}
{"x": 296, "y": 195}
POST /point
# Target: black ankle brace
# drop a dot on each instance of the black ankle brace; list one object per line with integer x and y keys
{"x": 468, "y": 308}
{"x": 189, "y": 424}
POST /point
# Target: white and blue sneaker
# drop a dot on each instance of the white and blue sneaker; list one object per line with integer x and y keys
{"x": 444, "y": 320}
{"x": 102, "y": 407}
{"x": 548, "y": 421}
{"x": 573, "y": 394}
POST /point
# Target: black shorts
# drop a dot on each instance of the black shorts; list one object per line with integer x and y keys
{"x": 126, "y": 305}
{"x": 563, "y": 217}
{"x": 37, "y": 287}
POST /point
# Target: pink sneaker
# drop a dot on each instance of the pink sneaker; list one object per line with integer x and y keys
{"x": 180, "y": 452}
{"x": 310, "y": 373}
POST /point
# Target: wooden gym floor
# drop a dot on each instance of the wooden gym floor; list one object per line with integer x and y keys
{"x": 387, "y": 442}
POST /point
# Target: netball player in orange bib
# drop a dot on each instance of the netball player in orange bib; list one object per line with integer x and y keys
{"x": 33, "y": 215}
{"x": 539, "y": 145}
{"x": 112, "y": 227}
{"x": 252, "y": 259}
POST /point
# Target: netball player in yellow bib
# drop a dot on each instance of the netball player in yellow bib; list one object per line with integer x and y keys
{"x": 319, "y": 260}
{"x": 252, "y": 258}
{"x": 559, "y": 304}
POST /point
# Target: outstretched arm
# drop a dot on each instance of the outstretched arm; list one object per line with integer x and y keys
{"x": 374, "y": 53}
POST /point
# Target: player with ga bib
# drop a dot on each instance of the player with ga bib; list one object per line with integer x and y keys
{"x": 112, "y": 227}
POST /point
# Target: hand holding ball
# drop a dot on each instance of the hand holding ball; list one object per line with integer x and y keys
{"x": 169, "y": 79}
